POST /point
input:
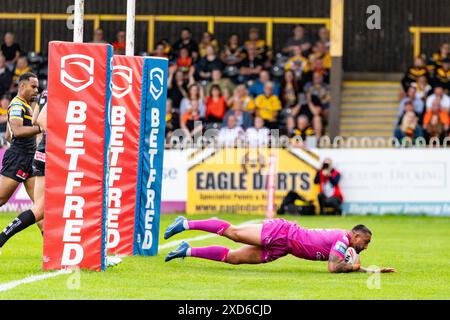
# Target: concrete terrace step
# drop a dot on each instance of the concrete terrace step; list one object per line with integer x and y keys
{"x": 369, "y": 99}
{"x": 386, "y": 90}
{"x": 387, "y": 126}
{"x": 370, "y": 104}
{"x": 366, "y": 121}
{"x": 369, "y": 109}
{"x": 366, "y": 133}
{"x": 364, "y": 94}
{"x": 365, "y": 108}
{"x": 371, "y": 84}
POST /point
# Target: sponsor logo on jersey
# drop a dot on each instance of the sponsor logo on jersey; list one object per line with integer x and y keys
{"x": 340, "y": 246}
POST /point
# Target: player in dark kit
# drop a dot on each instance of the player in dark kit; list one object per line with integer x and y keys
{"x": 18, "y": 159}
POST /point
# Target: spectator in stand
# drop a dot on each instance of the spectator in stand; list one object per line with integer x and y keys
{"x": 437, "y": 57}
{"x": 408, "y": 107}
{"x": 186, "y": 42}
{"x": 10, "y": 50}
{"x": 257, "y": 88}
{"x": 5, "y": 76}
{"x": 317, "y": 66}
{"x": 267, "y": 106}
{"x": 160, "y": 51}
{"x": 243, "y": 118}
{"x": 303, "y": 129}
{"x": 240, "y": 95}
{"x": 259, "y": 44}
{"x": 418, "y": 69}
{"x": 226, "y": 86}
{"x": 191, "y": 120}
{"x": 207, "y": 40}
{"x": 172, "y": 120}
{"x": 298, "y": 63}
{"x": 230, "y": 134}
{"x": 185, "y": 63}
{"x": 216, "y": 105}
{"x": 232, "y": 53}
{"x": 289, "y": 129}
{"x": 439, "y": 94}
{"x": 422, "y": 88}
{"x": 442, "y": 75}
{"x": 251, "y": 66}
{"x": 4, "y": 103}
{"x": 195, "y": 93}
{"x": 320, "y": 52}
{"x": 258, "y": 135}
{"x": 302, "y": 132}
{"x": 298, "y": 39}
{"x": 320, "y": 90}
{"x": 313, "y": 110}
{"x": 167, "y": 48}
{"x": 418, "y": 104}
{"x": 21, "y": 68}
{"x": 409, "y": 127}
{"x": 119, "y": 45}
{"x": 289, "y": 93}
{"x": 435, "y": 129}
{"x": 324, "y": 37}
{"x": 208, "y": 63}
{"x": 98, "y": 36}
{"x": 177, "y": 88}
{"x": 442, "y": 117}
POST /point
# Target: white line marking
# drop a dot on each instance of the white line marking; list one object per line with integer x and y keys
{"x": 11, "y": 285}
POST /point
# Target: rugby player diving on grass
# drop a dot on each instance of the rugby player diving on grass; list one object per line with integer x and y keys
{"x": 273, "y": 239}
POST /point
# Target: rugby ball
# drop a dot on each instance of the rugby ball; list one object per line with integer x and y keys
{"x": 351, "y": 256}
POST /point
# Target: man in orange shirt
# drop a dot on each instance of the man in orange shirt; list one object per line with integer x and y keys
{"x": 442, "y": 115}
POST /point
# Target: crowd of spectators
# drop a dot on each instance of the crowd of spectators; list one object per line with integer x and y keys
{"x": 233, "y": 87}
{"x": 12, "y": 66}
{"x": 424, "y": 109}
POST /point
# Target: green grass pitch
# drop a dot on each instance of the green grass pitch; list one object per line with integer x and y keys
{"x": 418, "y": 247}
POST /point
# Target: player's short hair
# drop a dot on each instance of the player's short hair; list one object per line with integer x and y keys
{"x": 26, "y": 76}
{"x": 361, "y": 228}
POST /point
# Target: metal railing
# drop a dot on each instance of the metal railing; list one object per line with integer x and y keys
{"x": 417, "y": 32}
{"x": 151, "y": 19}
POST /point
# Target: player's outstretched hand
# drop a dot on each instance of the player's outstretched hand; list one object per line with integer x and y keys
{"x": 387, "y": 270}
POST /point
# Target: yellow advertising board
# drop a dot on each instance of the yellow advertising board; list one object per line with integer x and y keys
{"x": 234, "y": 180}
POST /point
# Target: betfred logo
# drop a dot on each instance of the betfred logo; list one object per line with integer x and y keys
{"x": 122, "y": 81}
{"x": 156, "y": 83}
{"x": 77, "y": 71}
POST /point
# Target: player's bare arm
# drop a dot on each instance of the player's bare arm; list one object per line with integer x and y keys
{"x": 337, "y": 265}
{"x": 41, "y": 120}
{"x": 21, "y": 131}
{"x": 379, "y": 270}
{"x": 8, "y": 133}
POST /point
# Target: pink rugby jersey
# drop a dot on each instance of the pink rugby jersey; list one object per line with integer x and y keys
{"x": 317, "y": 244}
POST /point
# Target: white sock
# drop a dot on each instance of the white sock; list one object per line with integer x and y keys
{"x": 185, "y": 224}
{"x": 188, "y": 252}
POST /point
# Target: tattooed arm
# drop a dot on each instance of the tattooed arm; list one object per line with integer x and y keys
{"x": 338, "y": 265}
